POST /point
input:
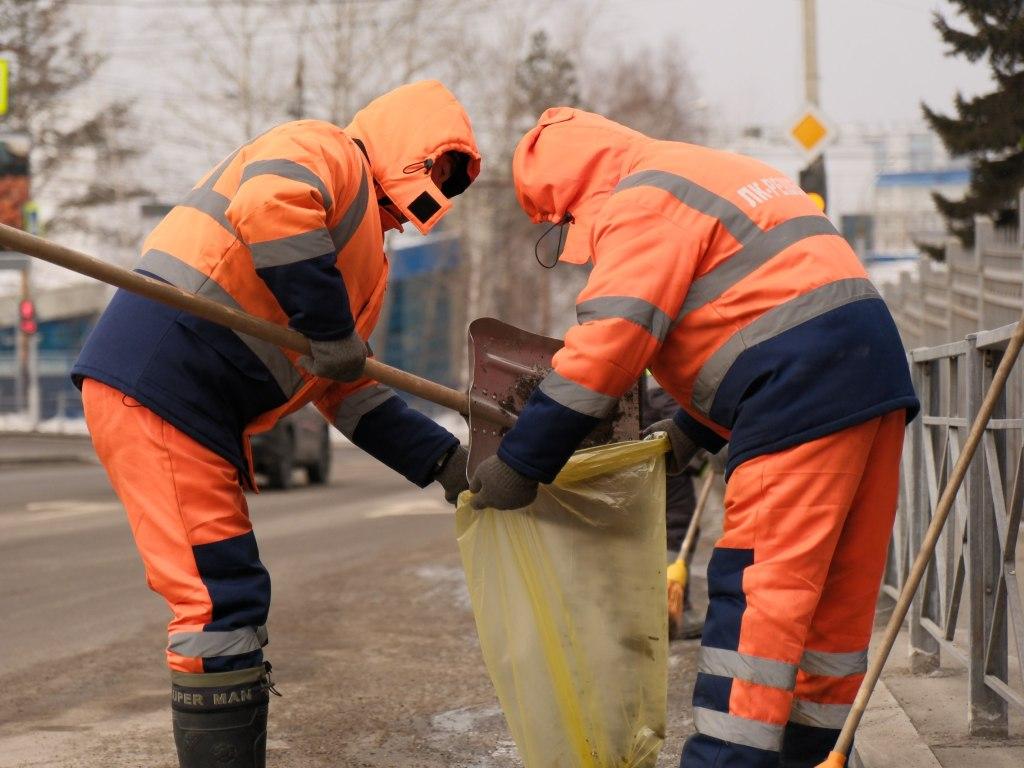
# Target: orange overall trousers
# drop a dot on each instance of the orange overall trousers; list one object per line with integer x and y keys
{"x": 792, "y": 584}
{"x": 191, "y": 525}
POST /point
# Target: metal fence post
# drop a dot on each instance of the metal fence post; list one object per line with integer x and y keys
{"x": 984, "y": 235}
{"x": 924, "y": 649}
{"x": 986, "y": 711}
{"x": 1020, "y": 219}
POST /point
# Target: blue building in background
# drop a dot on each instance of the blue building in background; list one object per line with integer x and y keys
{"x": 904, "y": 212}
{"x": 422, "y": 325}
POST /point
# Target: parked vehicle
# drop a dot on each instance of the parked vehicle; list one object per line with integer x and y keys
{"x": 300, "y": 439}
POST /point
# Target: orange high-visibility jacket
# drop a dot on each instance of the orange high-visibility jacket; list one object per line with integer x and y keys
{"x": 716, "y": 272}
{"x": 287, "y": 228}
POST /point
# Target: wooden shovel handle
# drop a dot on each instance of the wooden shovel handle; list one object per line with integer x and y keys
{"x": 698, "y": 513}
{"x": 235, "y": 319}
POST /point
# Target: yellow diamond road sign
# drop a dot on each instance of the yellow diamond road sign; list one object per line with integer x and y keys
{"x": 3, "y": 86}
{"x": 811, "y": 131}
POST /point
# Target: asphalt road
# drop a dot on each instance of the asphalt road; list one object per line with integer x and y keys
{"x": 372, "y": 638}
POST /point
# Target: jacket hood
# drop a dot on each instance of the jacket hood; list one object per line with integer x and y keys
{"x": 569, "y": 163}
{"x": 403, "y": 133}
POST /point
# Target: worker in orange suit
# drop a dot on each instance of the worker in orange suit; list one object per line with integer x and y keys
{"x": 722, "y": 276}
{"x": 290, "y": 228}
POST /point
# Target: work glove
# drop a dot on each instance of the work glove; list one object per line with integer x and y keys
{"x": 683, "y": 448}
{"x": 497, "y": 486}
{"x": 338, "y": 359}
{"x": 452, "y": 474}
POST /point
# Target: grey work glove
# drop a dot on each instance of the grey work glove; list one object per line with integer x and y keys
{"x": 497, "y": 486}
{"x": 452, "y": 475}
{"x": 338, "y": 359}
{"x": 683, "y": 448}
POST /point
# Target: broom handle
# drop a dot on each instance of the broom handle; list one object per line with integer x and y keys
{"x": 698, "y": 511}
{"x": 931, "y": 538}
{"x": 236, "y": 320}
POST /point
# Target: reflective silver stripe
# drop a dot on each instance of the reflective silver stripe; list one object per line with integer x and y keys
{"x": 777, "y": 320}
{"x": 213, "y": 204}
{"x": 355, "y": 406}
{"x": 753, "y": 669}
{"x": 205, "y": 200}
{"x": 289, "y": 250}
{"x": 638, "y": 311}
{"x": 576, "y": 396}
{"x": 761, "y": 249}
{"x": 740, "y": 226}
{"x": 176, "y": 272}
{"x": 819, "y": 715}
{"x": 217, "y": 172}
{"x": 737, "y": 730}
{"x": 353, "y": 217}
{"x": 173, "y": 270}
{"x": 287, "y": 169}
{"x": 835, "y": 664}
{"x": 208, "y": 644}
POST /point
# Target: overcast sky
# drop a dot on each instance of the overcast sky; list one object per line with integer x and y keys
{"x": 877, "y": 58}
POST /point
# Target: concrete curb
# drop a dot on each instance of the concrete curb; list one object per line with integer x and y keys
{"x": 49, "y": 458}
{"x": 20, "y": 449}
{"x": 887, "y": 737}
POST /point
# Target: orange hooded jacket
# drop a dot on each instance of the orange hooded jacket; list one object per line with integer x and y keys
{"x": 716, "y": 272}
{"x": 287, "y": 228}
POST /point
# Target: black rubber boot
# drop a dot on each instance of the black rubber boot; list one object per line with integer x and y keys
{"x": 220, "y": 718}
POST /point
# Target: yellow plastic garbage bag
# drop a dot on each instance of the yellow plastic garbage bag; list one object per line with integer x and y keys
{"x": 569, "y": 600}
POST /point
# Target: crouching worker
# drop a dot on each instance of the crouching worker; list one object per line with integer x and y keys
{"x": 289, "y": 228}
{"x": 725, "y": 279}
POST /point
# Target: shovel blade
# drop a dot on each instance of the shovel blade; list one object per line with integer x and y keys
{"x": 507, "y": 365}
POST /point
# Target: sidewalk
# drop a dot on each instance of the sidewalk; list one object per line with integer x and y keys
{"x": 920, "y": 721}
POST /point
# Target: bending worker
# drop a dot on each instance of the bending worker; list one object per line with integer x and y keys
{"x": 725, "y": 279}
{"x": 289, "y": 228}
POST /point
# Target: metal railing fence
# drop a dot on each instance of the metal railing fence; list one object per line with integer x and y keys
{"x": 979, "y": 287}
{"x": 969, "y": 604}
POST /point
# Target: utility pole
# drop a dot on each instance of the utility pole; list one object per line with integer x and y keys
{"x": 810, "y": 16}
{"x": 28, "y": 343}
{"x": 812, "y": 178}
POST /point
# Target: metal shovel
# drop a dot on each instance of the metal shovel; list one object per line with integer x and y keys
{"x": 508, "y": 364}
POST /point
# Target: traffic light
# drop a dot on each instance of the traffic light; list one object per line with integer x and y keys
{"x": 812, "y": 181}
{"x": 27, "y": 317}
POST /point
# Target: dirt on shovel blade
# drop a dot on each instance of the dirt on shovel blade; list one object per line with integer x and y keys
{"x": 603, "y": 434}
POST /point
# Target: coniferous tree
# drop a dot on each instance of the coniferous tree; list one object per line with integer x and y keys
{"x": 76, "y": 146}
{"x": 546, "y": 77}
{"x": 989, "y": 128}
